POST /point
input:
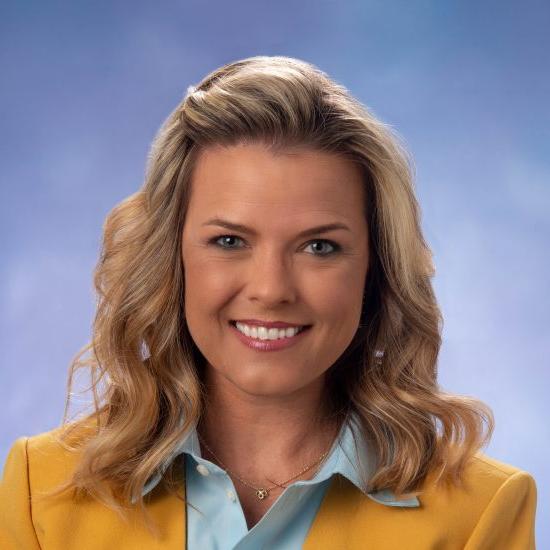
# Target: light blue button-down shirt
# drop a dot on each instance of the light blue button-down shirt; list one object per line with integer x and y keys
{"x": 215, "y": 519}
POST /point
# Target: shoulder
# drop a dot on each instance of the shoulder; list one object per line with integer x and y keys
{"x": 492, "y": 507}
{"x": 34, "y": 464}
{"x": 37, "y": 466}
{"x": 47, "y": 458}
{"x": 485, "y": 480}
{"x": 484, "y": 464}
{"x": 488, "y": 475}
{"x": 501, "y": 487}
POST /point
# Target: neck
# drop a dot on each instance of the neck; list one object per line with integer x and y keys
{"x": 258, "y": 437}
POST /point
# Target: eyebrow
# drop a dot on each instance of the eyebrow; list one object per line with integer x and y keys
{"x": 244, "y": 229}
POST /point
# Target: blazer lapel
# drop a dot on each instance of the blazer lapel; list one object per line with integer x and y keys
{"x": 335, "y": 515}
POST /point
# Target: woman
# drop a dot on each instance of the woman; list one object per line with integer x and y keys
{"x": 264, "y": 352}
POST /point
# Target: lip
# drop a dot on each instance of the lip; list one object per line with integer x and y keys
{"x": 268, "y": 324}
{"x": 269, "y": 345}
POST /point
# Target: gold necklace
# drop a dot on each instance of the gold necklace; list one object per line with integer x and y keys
{"x": 263, "y": 492}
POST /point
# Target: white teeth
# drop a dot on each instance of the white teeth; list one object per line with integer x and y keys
{"x": 263, "y": 333}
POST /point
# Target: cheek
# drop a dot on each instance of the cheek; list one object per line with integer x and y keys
{"x": 338, "y": 298}
{"x": 206, "y": 284}
{"x": 205, "y": 295}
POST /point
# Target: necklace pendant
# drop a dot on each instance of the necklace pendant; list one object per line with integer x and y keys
{"x": 261, "y": 493}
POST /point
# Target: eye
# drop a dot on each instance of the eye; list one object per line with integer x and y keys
{"x": 335, "y": 247}
{"x": 226, "y": 238}
{"x": 226, "y": 242}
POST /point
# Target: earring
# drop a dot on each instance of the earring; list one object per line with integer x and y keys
{"x": 145, "y": 353}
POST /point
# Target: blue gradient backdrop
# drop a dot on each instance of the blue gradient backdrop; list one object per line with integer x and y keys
{"x": 85, "y": 86}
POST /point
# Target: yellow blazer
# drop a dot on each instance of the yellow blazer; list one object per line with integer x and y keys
{"x": 496, "y": 510}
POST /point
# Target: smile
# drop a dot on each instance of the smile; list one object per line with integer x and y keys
{"x": 264, "y": 339}
{"x": 265, "y": 333}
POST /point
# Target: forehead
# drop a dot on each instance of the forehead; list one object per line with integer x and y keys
{"x": 252, "y": 179}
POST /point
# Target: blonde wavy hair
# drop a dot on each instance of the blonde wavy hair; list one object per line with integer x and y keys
{"x": 145, "y": 368}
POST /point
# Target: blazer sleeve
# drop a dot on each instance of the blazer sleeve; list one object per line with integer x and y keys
{"x": 508, "y": 522}
{"x": 16, "y": 527}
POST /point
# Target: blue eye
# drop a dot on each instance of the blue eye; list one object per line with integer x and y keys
{"x": 229, "y": 240}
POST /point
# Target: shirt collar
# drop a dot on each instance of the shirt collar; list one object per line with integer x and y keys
{"x": 356, "y": 462}
{"x": 349, "y": 456}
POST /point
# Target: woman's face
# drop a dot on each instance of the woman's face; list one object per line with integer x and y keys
{"x": 273, "y": 271}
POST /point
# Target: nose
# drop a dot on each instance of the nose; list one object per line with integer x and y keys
{"x": 271, "y": 279}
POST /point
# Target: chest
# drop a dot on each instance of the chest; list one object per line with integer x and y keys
{"x": 254, "y": 509}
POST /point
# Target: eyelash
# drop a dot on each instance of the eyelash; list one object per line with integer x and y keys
{"x": 336, "y": 247}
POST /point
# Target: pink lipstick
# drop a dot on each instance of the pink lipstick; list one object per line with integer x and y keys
{"x": 268, "y": 345}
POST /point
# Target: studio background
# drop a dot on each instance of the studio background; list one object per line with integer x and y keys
{"x": 85, "y": 86}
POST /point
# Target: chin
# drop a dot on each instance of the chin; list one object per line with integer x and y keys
{"x": 268, "y": 384}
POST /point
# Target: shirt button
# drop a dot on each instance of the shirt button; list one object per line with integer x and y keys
{"x": 231, "y": 495}
{"x": 202, "y": 469}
